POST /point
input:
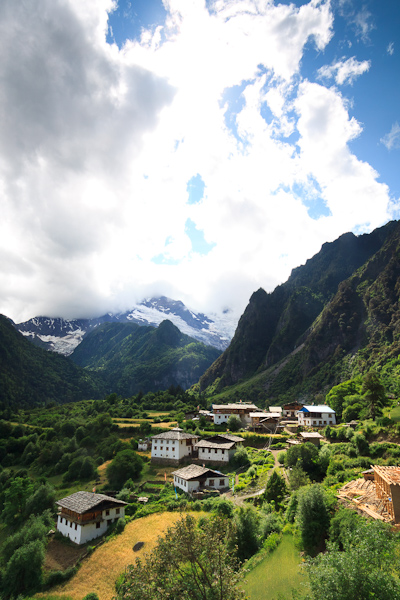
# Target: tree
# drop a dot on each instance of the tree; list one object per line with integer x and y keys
{"x": 234, "y": 423}
{"x": 335, "y": 398}
{"x": 189, "y": 562}
{"x": 312, "y": 516}
{"x": 374, "y": 394}
{"x": 304, "y": 456}
{"x": 43, "y": 498}
{"x": 276, "y": 488}
{"x": 247, "y": 537}
{"x": 298, "y": 478}
{"x": 15, "y": 499}
{"x": 23, "y": 573}
{"x": 127, "y": 464}
{"x": 366, "y": 568}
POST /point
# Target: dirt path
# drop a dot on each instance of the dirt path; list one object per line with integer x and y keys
{"x": 240, "y": 500}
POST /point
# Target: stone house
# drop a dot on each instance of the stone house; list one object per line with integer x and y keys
{"x": 172, "y": 447}
{"x": 84, "y": 516}
{"x": 219, "y": 448}
{"x": 195, "y": 478}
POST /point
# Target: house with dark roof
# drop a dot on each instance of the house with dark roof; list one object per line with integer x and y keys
{"x": 84, "y": 516}
{"x": 218, "y": 448}
{"x": 195, "y": 478}
{"x": 172, "y": 447}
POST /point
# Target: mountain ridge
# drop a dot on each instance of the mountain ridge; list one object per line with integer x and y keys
{"x": 64, "y": 335}
{"x": 275, "y": 324}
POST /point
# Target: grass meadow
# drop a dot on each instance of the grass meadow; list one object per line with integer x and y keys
{"x": 100, "y": 570}
{"x": 278, "y": 573}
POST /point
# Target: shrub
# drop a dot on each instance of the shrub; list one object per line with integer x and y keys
{"x": 58, "y": 577}
{"x": 120, "y": 526}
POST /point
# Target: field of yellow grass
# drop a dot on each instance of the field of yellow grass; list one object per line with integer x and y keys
{"x": 99, "y": 571}
{"x": 137, "y": 424}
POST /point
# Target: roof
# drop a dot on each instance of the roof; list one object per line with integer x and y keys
{"x": 175, "y": 434}
{"x": 222, "y": 440}
{"x": 311, "y": 434}
{"x": 277, "y": 409}
{"x": 238, "y": 406}
{"x": 271, "y": 415}
{"x": 319, "y": 408}
{"x": 195, "y": 471}
{"x": 258, "y": 414}
{"x": 210, "y": 444}
{"x": 390, "y": 474}
{"x": 230, "y": 437}
{"x": 81, "y": 502}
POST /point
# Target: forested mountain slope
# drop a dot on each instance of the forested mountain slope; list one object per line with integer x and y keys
{"x": 335, "y": 315}
{"x": 30, "y": 376}
{"x": 133, "y": 358}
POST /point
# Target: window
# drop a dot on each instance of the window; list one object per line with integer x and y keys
{"x": 117, "y": 511}
{"x": 76, "y": 526}
{"x": 98, "y": 525}
{"x": 223, "y": 451}
{"x": 211, "y": 484}
{"x": 70, "y": 524}
{"x": 107, "y": 512}
{"x": 209, "y": 451}
{"x": 222, "y": 482}
{"x": 215, "y": 451}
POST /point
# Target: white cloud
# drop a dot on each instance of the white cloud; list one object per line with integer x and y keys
{"x": 390, "y": 49}
{"x": 344, "y": 71}
{"x": 392, "y": 139}
{"x": 99, "y": 144}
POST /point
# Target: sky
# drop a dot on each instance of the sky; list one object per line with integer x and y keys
{"x": 198, "y": 149}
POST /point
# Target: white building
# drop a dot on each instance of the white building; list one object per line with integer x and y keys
{"x": 195, "y": 478}
{"x": 172, "y": 446}
{"x": 222, "y": 412}
{"x": 316, "y": 416}
{"x": 219, "y": 448}
{"x": 84, "y": 516}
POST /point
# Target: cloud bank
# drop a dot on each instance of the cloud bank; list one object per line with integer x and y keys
{"x": 98, "y": 146}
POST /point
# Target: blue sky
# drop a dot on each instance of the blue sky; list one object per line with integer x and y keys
{"x": 189, "y": 148}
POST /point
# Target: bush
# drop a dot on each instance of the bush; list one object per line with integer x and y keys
{"x": 120, "y": 526}
{"x": 281, "y": 458}
{"x": 91, "y": 596}
{"x": 271, "y": 524}
{"x": 58, "y": 577}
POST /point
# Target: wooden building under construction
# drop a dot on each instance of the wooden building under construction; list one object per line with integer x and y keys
{"x": 387, "y": 486}
{"x": 377, "y": 494}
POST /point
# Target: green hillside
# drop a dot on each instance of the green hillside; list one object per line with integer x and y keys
{"x": 335, "y": 317}
{"x": 30, "y": 376}
{"x": 132, "y": 358}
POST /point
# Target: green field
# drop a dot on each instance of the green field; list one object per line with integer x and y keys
{"x": 277, "y": 574}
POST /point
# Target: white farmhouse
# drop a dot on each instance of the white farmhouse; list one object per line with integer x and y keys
{"x": 222, "y": 412}
{"x": 195, "y": 478}
{"x": 219, "y": 448}
{"x": 316, "y": 416}
{"x": 173, "y": 446}
{"x": 84, "y": 516}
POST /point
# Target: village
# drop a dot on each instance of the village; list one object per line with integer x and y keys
{"x": 84, "y": 516}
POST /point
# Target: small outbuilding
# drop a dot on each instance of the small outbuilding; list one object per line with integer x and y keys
{"x": 195, "y": 478}
{"x": 311, "y": 436}
{"x": 84, "y": 516}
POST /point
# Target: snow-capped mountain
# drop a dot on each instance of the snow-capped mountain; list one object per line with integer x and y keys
{"x": 64, "y": 335}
